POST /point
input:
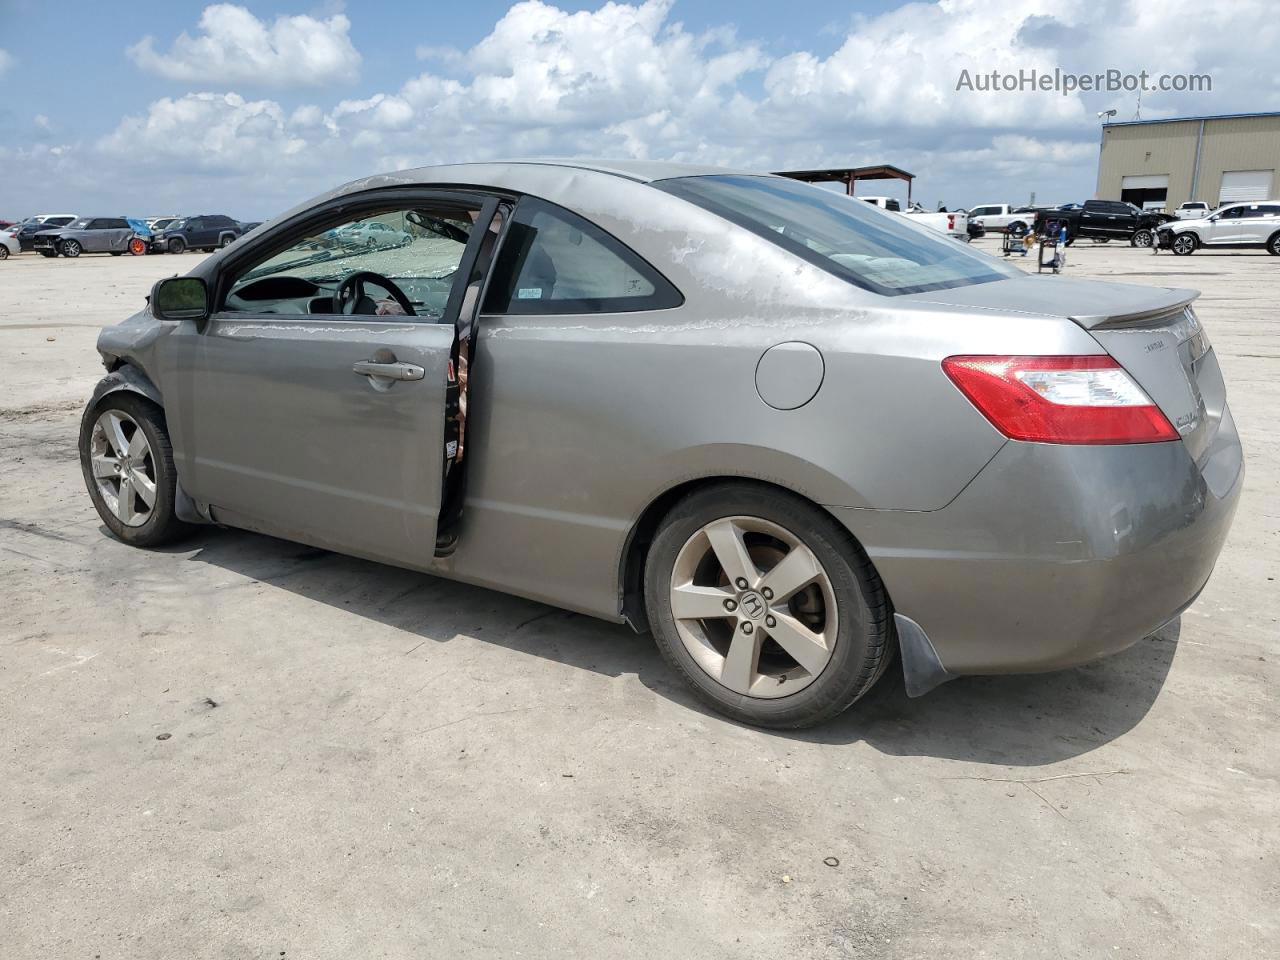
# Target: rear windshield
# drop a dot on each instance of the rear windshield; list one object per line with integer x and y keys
{"x": 878, "y": 251}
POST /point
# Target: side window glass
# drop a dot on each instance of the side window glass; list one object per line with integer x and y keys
{"x": 554, "y": 262}
{"x": 407, "y": 270}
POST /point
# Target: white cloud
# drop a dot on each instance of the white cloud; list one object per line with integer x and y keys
{"x": 628, "y": 79}
{"x": 6, "y": 60}
{"x": 234, "y": 47}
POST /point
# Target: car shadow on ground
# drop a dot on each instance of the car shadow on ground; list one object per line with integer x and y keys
{"x": 1010, "y": 721}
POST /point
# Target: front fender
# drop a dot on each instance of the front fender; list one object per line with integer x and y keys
{"x": 126, "y": 377}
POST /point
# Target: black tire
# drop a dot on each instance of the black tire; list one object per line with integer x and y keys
{"x": 4, "y": 252}
{"x": 70, "y": 248}
{"x": 48, "y": 253}
{"x": 1273, "y": 244}
{"x": 864, "y": 637}
{"x": 117, "y": 253}
{"x": 177, "y": 245}
{"x": 1015, "y": 227}
{"x": 1143, "y": 238}
{"x": 1185, "y": 244}
{"x": 226, "y": 240}
{"x": 162, "y": 526}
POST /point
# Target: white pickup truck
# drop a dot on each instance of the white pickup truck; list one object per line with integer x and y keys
{"x": 999, "y": 217}
{"x": 954, "y": 225}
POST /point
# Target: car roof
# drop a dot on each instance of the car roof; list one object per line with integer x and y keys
{"x": 643, "y": 171}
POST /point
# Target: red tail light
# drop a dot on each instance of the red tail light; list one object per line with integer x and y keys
{"x": 951, "y": 221}
{"x": 1060, "y": 399}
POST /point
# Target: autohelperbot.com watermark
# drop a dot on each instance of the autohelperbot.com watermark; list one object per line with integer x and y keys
{"x": 1060, "y": 81}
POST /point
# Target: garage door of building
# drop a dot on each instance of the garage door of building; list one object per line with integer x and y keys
{"x": 1240, "y": 186}
{"x": 1148, "y": 191}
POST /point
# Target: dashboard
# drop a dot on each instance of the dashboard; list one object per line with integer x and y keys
{"x": 298, "y": 295}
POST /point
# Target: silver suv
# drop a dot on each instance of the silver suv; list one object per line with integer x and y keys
{"x": 1231, "y": 225}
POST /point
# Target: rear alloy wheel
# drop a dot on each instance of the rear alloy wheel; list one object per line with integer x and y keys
{"x": 71, "y": 248}
{"x": 4, "y": 252}
{"x": 177, "y": 245}
{"x": 1142, "y": 238}
{"x": 127, "y": 462}
{"x": 1184, "y": 244}
{"x": 766, "y": 606}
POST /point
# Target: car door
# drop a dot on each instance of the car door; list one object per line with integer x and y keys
{"x": 1266, "y": 223}
{"x": 1225, "y": 226}
{"x": 1093, "y": 219}
{"x": 95, "y": 238}
{"x": 117, "y": 235}
{"x": 322, "y": 427}
{"x": 1248, "y": 225}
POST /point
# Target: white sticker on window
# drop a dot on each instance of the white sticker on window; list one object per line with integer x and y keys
{"x": 529, "y": 293}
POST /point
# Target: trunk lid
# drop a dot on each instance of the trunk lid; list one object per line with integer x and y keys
{"x": 1151, "y": 331}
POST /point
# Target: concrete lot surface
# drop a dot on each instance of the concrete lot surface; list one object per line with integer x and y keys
{"x": 363, "y": 762}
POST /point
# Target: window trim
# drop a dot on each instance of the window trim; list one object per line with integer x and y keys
{"x": 666, "y": 295}
{"x": 797, "y": 249}
{"x": 381, "y": 199}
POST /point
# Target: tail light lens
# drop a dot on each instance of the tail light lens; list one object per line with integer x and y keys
{"x": 1060, "y": 399}
{"x": 951, "y": 221}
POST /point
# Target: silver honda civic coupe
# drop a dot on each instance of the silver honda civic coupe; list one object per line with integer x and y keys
{"x": 786, "y": 432}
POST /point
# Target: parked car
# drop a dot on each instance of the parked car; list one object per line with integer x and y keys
{"x": 999, "y": 217}
{"x": 1192, "y": 210}
{"x": 1240, "y": 225}
{"x": 786, "y": 433}
{"x": 33, "y": 225}
{"x": 1106, "y": 220}
{"x": 8, "y": 243}
{"x": 954, "y": 225}
{"x": 884, "y": 203}
{"x": 85, "y": 235}
{"x": 373, "y": 233}
{"x": 206, "y": 232}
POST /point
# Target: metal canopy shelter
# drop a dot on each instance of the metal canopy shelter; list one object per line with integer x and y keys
{"x": 851, "y": 175}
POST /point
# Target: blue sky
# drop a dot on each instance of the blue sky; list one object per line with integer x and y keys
{"x": 248, "y": 108}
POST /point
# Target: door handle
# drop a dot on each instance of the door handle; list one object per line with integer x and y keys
{"x": 388, "y": 371}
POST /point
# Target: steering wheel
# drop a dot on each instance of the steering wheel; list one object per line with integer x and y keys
{"x": 351, "y": 291}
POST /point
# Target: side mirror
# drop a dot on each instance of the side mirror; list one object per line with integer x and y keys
{"x": 180, "y": 298}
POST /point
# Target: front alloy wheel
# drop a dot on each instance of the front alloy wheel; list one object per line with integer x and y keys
{"x": 127, "y": 462}
{"x": 1184, "y": 244}
{"x": 124, "y": 468}
{"x": 1142, "y": 238}
{"x": 71, "y": 248}
{"x": 766, "y": 606}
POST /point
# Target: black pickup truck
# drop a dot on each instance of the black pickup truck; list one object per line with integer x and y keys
{"x": 1106, "y": 220}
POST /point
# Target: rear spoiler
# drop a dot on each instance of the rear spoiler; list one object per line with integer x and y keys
{"x": 1174, "y": 302}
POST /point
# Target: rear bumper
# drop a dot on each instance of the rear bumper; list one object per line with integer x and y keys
{"x": 1057, "y": 555}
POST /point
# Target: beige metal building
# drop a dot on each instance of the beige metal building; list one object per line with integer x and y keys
{"x": 1162, "y": 163}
